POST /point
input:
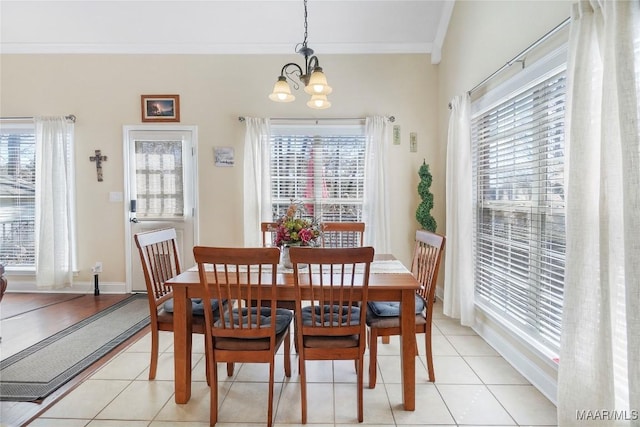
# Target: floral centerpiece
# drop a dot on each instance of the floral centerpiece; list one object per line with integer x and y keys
{"x": 293, "y": 229}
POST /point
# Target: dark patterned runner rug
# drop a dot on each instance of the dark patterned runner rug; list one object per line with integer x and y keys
{"x": 39, "y": 370}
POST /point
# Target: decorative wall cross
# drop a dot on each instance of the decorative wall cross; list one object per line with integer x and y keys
{"x": 98, "y": 158}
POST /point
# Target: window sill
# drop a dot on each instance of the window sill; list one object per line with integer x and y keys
{"x": 19, "y": 271}
{"x": 541, "y": 351}
{"x": 538, "y": 365}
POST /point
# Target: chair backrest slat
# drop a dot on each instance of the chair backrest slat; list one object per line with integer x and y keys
{"x": 268, "y": 230}
{"x": 342, "y": 234}
{"x": 238, "y": 275}
{"x": 427, "y": 255}
{"x": 160, "y": 261}
{"x": 337, "y": 280}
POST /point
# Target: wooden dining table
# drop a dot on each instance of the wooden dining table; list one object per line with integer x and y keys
{"x": 384, "y": 285}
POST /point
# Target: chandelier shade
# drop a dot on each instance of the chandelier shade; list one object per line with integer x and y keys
{"x": 318, "y": 83}
{"x": 311, "y": 76}
{"x": 281, "y": 91}
{"x": 319, "y": 102}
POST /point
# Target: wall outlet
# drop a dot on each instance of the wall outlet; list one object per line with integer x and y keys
{"x": 115, "y": 196}
{"x": 97, "y": 268}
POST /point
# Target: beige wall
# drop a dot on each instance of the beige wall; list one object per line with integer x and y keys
{"x": 103, "y": 91}
{"x": 482, "y": 37}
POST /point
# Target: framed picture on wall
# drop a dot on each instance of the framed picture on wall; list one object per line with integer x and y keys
{"x": 224, "y": 156}
{"x": 160, "y": 108}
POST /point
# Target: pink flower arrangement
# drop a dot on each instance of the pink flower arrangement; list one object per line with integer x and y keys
{"x": 294, "y": 230}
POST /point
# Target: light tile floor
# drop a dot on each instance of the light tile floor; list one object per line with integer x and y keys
{"x": 474, "y": 387}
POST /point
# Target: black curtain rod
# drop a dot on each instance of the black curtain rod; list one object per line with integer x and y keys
{"x": 70, "y": 117}
{"x": 390, "y": 118}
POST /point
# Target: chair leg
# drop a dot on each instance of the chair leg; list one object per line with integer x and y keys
{"x": 295, "y": 333}
{"x": 287, "y": 355}
{"x": 373, "y": 356}
{"x": 153, "y": 368}
{"x": 298, "y": 344}
{"x": 230, "y": 366}
{"x": 270, "y": 403}
{"x": 360, "y": 363}
{"x": 386, "y": 339}
{"x": 303, "y": 388}
{"x": 213, "y": 411}
{"x": 206, "y": 364}
{"x": 427, "y": 339}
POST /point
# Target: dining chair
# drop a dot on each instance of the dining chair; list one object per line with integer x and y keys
{"x": 342, "y": 234}
{"x": 160, "y": 262}
{"x": 383, "y": 318}
{"x": 247, "y": 333}
{"x": 268, "y": 230}
{"x": 331, "y": 286}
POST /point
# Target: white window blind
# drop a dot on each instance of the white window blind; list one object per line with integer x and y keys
{"x": 17, "y": 195}
{"x": 519, "y": 238}
{"x": 320, "y": 166}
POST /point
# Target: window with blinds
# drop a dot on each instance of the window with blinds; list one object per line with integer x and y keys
{"x": 320, "y": 166}
{"x": 519, "y": 238}
{"x": 17, "y": 195}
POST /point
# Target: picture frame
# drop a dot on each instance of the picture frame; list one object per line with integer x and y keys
{"x": 160, "y": 108}
{"x": 224, "y": 156}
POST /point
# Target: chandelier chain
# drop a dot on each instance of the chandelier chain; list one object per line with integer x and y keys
{"x": 304, "y": 43}
{"x": 310, "y": 75}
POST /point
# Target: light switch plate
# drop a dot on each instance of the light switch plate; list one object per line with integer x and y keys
{"x": 396, "y": 135}
{"x": 413, "y": 142}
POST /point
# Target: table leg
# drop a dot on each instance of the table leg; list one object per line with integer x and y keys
{"x": 408, "y": 349}
{"x": 182, "y": 344}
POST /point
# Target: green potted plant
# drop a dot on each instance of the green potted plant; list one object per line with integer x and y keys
{"x": 423, "y": 213}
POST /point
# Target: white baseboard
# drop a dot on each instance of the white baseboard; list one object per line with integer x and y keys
{"x": 76, "y": 288}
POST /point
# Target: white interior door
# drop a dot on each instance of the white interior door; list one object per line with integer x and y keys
{"x": 160, "y": 190}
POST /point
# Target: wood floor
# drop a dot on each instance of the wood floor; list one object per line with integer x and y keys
{"x": 27, "y": 318}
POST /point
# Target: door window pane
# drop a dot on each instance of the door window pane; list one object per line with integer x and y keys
{"x": 159, "y": 179}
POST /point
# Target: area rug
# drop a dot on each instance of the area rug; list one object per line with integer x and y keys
{"x": 39, "y": 370}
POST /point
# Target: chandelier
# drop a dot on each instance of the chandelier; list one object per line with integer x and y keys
{"x": 314, "y": 80}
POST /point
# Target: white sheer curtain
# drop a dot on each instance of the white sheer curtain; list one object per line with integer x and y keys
{"x": 55, "y": 202}
{"x": 375, "y": 210}
{"x": 458, "y": 266}
{"x": 257, "y": 182}
{"x": 600, "y": 348}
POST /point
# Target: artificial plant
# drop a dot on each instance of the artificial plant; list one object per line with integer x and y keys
{"x": 423, "y": 213}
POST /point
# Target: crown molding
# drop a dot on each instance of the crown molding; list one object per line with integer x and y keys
{"x": 210, "y": 48}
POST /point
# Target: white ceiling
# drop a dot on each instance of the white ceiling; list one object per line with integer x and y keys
{"x": 223, "y": 27}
